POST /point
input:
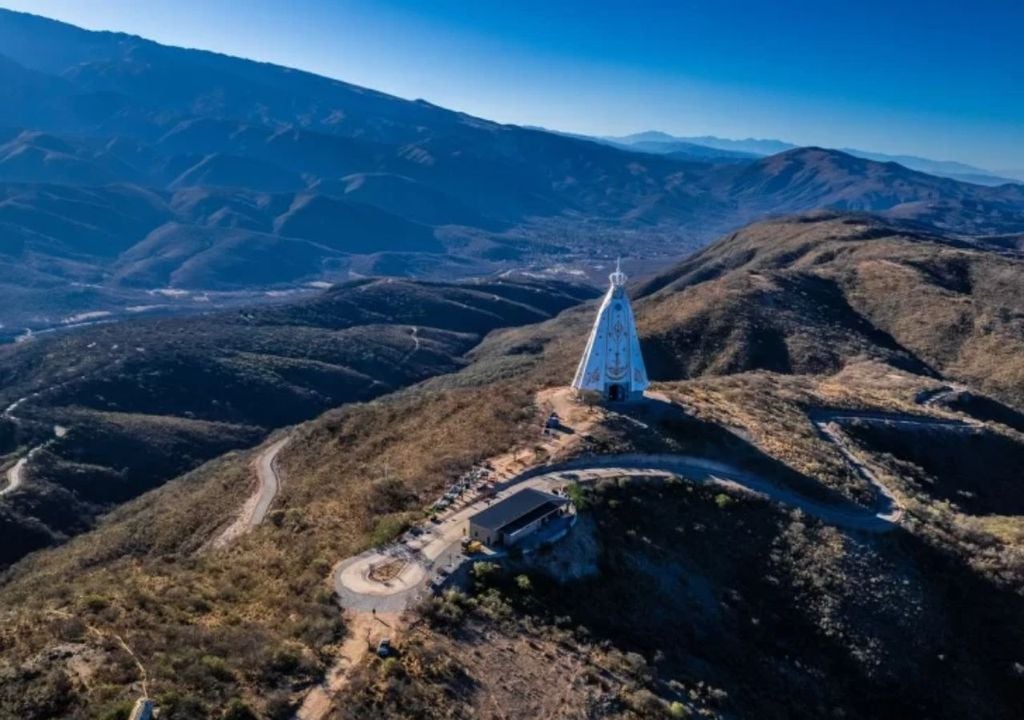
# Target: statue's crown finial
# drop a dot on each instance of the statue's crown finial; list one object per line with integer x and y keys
{"x": 618, "y": 278}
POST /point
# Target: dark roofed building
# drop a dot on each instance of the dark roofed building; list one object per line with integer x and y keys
{"x": 515, "y": 517}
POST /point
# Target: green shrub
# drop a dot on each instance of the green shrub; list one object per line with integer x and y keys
{"x": 279, "y": 707}
{"x": 388, "y": 527}
{"x": 121, "y": 711}
{"x": 178, "y": 706}
{"x": 579, "y": 496}
{"x": 389, "y": 496}
{"x": 446, "y": 611}
{"x": 283, "y": 662}
{"x": 484, "y": 572}
{"x": 391, "y": 667}
{"x": 217, "y": 668}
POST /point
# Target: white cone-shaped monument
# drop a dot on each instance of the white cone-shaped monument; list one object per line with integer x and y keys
{"x": 612, "y": 364}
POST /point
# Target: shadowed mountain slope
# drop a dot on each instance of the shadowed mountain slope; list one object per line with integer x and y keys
{"x": 146, "y": 400}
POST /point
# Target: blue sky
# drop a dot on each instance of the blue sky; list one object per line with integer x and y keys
{"x": 942, "y": 79}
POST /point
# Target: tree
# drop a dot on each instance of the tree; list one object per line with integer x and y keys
{"x": 483, "y": 571}
{"x": 578, "y": 495}
{"x": 678, "y": 710}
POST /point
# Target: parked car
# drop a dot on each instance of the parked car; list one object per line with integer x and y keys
{"x": 384, "y": 648}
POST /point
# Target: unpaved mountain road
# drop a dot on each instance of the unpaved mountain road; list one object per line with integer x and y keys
{"x": 414, "y": 335}
{"x": 933, "y": 397}
{"x": 15, "y": 474}
{"x": 425, "y": 554}
{"x": 829, "y": 424}
{"x": 364, "y": 632}
{"x": 268, "y": 484}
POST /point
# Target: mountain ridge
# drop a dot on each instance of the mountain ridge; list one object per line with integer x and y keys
{"x": 145, "y": 400}
{"x": 251, "y": 169}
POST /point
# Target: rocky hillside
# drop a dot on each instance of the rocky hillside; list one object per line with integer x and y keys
{"x": 811, "y": 294}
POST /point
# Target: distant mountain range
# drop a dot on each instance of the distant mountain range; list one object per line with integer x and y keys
{"x": 724, "y": 149}
{"x": 132, "y": 172}
{"x": 749, "y": 148}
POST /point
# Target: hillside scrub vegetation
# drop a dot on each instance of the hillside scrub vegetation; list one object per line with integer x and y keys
{"x": 148, "y": 400}
{"x": 810, "y": 294}
{"x": 694, "y": 601}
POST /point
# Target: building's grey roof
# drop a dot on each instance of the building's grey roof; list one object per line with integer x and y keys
{"x": 514, "y": 507}
{"x": 535, "y": 514}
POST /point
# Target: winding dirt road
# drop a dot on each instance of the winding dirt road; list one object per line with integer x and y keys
{"x": 414, "y": 335}
{"x": 829, "y": 424}
{"x": 104, "y": 634}
{"x": 255, "y": 508}
{"x": 15, "y": 474}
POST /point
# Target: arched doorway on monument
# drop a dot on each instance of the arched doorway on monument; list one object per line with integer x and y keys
{"x": 616, "y": 393}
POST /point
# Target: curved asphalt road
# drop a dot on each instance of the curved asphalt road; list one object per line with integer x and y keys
{"x": 441, "y": 541}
